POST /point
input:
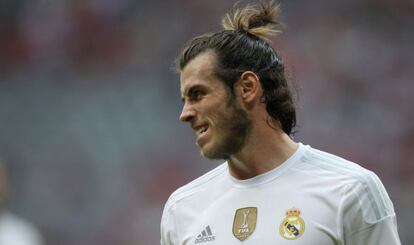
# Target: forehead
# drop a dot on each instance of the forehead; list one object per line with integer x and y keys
{"x": 199, "y": 71}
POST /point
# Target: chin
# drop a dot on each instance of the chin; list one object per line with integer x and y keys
{"x": 206, "y": 152}
{"x": 213, "y": 153}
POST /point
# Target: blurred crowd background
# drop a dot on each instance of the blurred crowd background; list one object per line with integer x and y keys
{"x": 89, "y": 105}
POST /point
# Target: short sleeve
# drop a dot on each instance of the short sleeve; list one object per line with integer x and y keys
{"x": 368, "y": 213}
{"x": 383, "y": 232}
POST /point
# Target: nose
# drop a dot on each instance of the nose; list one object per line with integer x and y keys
{"x": 187, "y": 114}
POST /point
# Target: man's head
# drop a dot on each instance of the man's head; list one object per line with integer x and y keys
{"x": 224, "y": 57}
{"x": 222, "y": 126}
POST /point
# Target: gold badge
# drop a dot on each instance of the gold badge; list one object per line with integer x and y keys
{"x": 244, "y": 222}
{"x": 293, "y": 226}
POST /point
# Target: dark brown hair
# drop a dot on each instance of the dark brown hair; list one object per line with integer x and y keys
{"x": 244, "y": 45}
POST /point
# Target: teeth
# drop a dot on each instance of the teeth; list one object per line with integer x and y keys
{"x": 201, "y": 130}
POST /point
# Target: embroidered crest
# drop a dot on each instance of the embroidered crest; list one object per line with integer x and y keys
{"x": 293, "y": 226}
{"x": 244, "y": 222}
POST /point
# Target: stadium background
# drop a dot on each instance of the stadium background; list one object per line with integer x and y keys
{"x": 89, "y": 104}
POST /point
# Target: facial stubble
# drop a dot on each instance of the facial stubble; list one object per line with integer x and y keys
{"x": 235, "y": 127}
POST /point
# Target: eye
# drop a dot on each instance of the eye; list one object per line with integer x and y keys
{"x": 195, "y": 95}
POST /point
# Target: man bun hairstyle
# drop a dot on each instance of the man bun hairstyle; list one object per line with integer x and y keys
{"x": 244, "y": 45}
{"x": 258, "y": 20}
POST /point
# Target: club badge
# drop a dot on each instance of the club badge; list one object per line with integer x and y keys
{"x": 293, "y": 226}
{"x": 244, "y": 222}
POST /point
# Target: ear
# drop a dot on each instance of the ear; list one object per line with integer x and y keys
{"x": 250, "y": 87}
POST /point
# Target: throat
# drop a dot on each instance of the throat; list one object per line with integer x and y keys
{"x": 245, "y": 166}
{"x": 242, "y": 171}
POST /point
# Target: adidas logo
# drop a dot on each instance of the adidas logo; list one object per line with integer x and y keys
{"x": 205, "y": 236}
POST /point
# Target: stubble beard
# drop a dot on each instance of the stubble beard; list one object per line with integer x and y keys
{"x": 235, "y": 129}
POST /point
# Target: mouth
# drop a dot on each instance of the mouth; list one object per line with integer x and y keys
{"x": 201, "y": 133}
{"x": 201, "y": 130}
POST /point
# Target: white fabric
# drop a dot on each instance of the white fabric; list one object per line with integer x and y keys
{"x": 16, "y": 231}
{"x": 340, "y": 202}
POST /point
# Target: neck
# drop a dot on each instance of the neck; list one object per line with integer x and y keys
{"x": 265, "y": 150}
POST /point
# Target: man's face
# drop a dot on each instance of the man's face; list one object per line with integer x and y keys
{"x": 221, "y": 125}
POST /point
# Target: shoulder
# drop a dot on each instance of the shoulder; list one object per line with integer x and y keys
{"x": 331, "y": 165}
{"x": 364, "y": 208}
{"x": 361, "y": 187}
{"x": 207, "y": 180}
{"x": 186, "y": 201}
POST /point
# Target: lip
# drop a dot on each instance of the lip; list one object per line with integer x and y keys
{"x": 202, "y": 138}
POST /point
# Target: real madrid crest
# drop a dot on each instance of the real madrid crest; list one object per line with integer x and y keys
{"x": 293, "y": 226}
{"x": 244, "y": 222}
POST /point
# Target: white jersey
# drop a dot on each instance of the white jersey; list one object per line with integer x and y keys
{"x": 313, "y": 198}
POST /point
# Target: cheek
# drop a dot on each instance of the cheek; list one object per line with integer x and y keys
{"x": 222, "y": 121}
{"x": 219, "y": 114}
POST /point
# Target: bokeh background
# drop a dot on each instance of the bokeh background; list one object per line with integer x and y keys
{"x": 89, "y": 104}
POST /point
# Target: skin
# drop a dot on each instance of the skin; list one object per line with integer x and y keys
{"x": 206, "y": 104}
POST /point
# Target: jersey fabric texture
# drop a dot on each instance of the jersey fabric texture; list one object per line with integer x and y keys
{"x": 313, "y": 198}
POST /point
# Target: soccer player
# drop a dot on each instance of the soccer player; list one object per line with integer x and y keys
{"x": 271, "y": 189}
